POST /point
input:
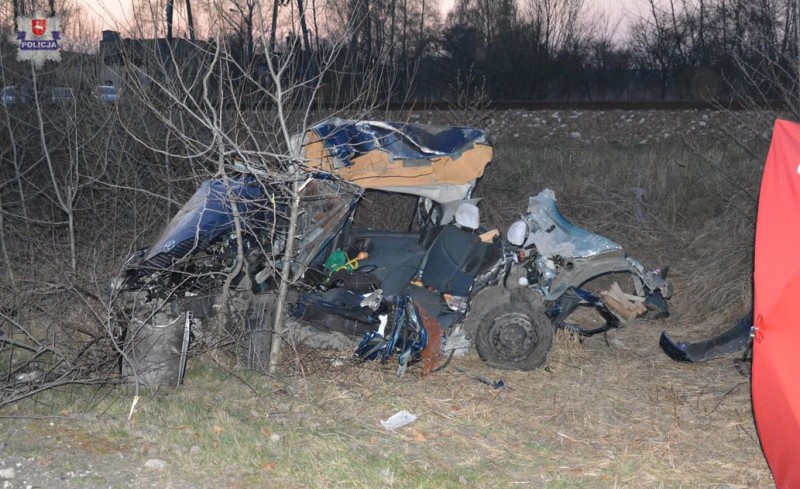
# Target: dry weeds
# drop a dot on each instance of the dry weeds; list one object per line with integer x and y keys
{"x": 606, "y": 412}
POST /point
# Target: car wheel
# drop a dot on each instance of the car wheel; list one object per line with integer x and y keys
{"x": 516, "y": 337}
{"x": 480, "y": 305}
{"x": 256, "y": 343}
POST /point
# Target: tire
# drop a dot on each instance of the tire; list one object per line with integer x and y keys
{"x": 480, "y": 305}
{"x": 515, "y": 336}
{"x": 256, "y": 343}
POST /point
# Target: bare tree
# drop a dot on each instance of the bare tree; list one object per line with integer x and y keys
{"x": 4, "y": 242}
{"x": 196, "y": 100}
{"x": 246, "y": 11}
{"x": 58, "y": 140}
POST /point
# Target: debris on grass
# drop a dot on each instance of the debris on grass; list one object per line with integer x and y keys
{"x": 398, "y": 420}
{"x": 155, "y": 463}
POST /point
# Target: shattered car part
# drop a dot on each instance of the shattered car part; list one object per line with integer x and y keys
{"x": 731, "y": 341}
{"x": 407, "y": 337}
{"x": 441, "y": 164}
{"x": 585, "y": 253}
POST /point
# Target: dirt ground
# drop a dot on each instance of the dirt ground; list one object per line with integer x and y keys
{"x": 608, "y": 411}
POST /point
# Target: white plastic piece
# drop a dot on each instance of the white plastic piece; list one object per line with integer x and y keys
{"x": 517, "y": 233}
{"x": 468, "y": 216}
{"x": 398, "y": 420}
{"x": 384, "y": 320}
{"x": 372, "y": 300}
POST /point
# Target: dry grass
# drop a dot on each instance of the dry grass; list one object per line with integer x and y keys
{"x": 606, "y": 412}
{"x": 600, "y": 415}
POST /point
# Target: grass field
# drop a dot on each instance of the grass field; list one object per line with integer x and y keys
{"x": 612, "y": 411}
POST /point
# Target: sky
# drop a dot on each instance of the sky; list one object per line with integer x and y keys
{"x": 111, "y": 13}
{"x": 106, "y": 12}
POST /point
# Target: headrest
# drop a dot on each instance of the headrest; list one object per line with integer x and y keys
{"x": 517, "y": 233}
{"x": 468, "y": 216}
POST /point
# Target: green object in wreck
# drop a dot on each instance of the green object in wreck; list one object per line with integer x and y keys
{"x": 338, "y": 260}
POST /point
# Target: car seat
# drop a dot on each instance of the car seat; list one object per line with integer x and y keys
{"x": 452, "y": 260}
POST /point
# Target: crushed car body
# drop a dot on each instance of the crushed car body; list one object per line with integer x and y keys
{"x": 421, "y": 295}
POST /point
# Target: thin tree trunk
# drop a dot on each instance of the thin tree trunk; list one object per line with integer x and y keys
{"x": 391, "y": 34}
{"x": 73, "y": 252}
{"x": 405, "y": 34}
{"x": 303, "y": 26}
{"x": 353, "y": 25}
{"x": 421, "y": 32}
{"x": 250, "y": 47}
{"x": 63, "y": 197}
{"x": 190, "y": 20}
{"x": 3, "y": 245}
{"x": 316, "y": 27}
{"x": 368, "y": 29}
{"x": 168, "y": 172}
{"x": 170, "y": 6}
{"x": 274, "y": 27}
{"x": 286, "y": 278}
{"x": 702, "y": 31}
{"x": 724, "y": 14}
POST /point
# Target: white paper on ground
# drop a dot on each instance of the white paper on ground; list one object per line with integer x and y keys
{"x": 398, "y": 420}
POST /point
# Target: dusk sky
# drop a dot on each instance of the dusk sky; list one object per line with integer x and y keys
{"x": 112, "y": 12}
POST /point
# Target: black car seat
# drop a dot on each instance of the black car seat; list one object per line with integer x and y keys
{"x": 393, "y": 259}
{"x": 452, "y": 260}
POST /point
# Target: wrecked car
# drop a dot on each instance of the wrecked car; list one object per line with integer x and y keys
{"x": 424, "y": 294}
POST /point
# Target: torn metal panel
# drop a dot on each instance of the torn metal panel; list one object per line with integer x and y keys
{"x": 439, "y": 193}
{"x": 554, "y": 235}
{"x": 440, "y": 163}
{"x": 581, "y": 269}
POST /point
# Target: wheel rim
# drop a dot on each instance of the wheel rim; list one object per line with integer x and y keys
{"x": 513, "y": 336}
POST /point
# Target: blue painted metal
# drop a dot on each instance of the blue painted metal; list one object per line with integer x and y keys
{"x": 349, "y": 139}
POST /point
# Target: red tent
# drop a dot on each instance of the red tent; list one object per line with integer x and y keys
{"x": 776, "y": 347}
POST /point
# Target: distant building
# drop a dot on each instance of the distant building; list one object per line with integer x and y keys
{"x": 155, "y": 57}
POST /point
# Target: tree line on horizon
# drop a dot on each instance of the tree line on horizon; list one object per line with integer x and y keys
{"x": 499, "y": 50}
